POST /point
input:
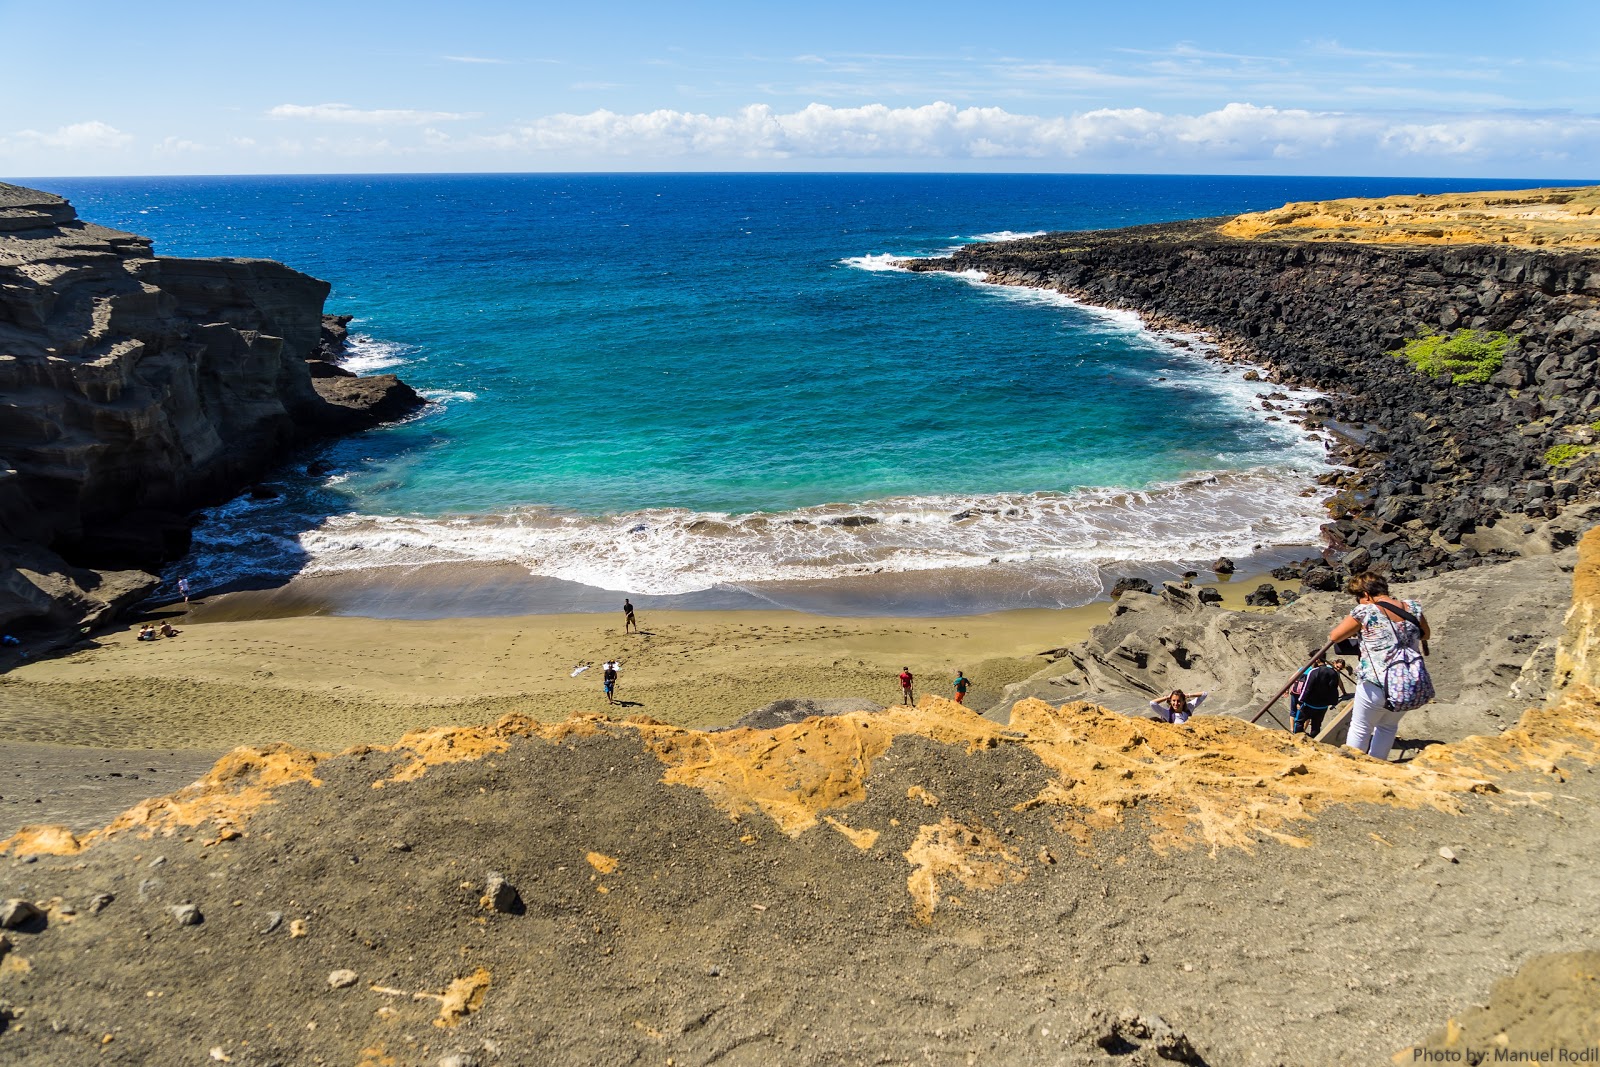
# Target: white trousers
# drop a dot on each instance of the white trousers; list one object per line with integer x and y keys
{"x": 1372, "y": 726}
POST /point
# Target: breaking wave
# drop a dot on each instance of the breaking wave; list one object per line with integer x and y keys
{"x": 666, "y": 551}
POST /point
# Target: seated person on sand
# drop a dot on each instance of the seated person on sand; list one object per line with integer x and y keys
{"x": 1176, "y": 706}
{"x": 147, "y": 632}
{"x": 167, "y": 629}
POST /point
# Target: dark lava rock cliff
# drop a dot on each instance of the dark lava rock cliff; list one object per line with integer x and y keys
{"x": 1448, "y": 474}
{"x": 135, "y": 388}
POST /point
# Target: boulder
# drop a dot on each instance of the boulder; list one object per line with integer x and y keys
{"x": 1137, "y": 585}
{"x": 1264, "y": 596}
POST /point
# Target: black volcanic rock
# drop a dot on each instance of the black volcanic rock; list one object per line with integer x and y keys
{"x": 1432, "y": 457}
{"x": 135, "y": 388}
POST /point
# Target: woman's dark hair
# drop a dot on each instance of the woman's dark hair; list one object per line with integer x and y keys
{"x": 1183, "y": 699}
{"x": 1367, "y": 584}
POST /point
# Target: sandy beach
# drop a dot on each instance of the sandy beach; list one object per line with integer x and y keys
{"x": 332, "y": 682}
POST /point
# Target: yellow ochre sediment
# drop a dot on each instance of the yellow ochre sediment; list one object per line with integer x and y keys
{"x": 1563, "y": 218}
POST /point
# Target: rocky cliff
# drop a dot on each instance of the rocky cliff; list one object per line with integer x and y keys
{"x": 135, "y": 388}
{"x": 1448, "y": 473}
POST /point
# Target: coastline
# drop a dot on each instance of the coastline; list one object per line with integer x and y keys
{"x": 1445, "y": 470}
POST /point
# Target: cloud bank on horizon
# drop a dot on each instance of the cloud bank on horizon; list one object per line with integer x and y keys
{"x": 622, "y": 86}
{"x": 934, "y": 136}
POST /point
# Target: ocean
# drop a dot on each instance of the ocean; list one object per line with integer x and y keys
{"x": 716, "y": 390}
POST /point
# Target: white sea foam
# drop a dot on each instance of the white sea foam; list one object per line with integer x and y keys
{"x": 678, "y": 551}
{"x": 448, "y": 396}
{"x": 877, "y": 262}
{"x": 366, "y": 354}
{"x": 1008, "y": 235}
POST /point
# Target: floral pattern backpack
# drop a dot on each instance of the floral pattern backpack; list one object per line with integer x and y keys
{"x": 1399, "y": 667}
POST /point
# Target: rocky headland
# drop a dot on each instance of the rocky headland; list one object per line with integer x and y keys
{"x": 136, "y": 388}
{"x": 1446, "y": 473}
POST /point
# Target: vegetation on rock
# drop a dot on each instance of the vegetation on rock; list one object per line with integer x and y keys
{"x": 1470, "y": 357}
{"x": 1565, "y": 455}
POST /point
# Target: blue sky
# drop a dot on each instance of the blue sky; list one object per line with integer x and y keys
{"x": 1461, "y": 89}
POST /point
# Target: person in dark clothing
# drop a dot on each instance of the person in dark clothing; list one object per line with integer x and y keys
{"x": 1320, "y": 689}
{"x": 629, "y": 625}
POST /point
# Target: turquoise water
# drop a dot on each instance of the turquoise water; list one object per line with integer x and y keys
{"x": 664, "y": 384}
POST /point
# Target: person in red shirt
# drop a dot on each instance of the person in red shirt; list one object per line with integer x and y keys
{"x": 905, "y": 686}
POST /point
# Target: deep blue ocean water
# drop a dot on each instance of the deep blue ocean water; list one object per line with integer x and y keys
{"x": 668, "y": 383}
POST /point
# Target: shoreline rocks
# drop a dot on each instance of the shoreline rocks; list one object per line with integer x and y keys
{"x": 1446, "y": 475}
{"x": 136, "y": 389}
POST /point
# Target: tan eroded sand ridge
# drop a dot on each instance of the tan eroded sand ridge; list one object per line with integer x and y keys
{"x": 1566, "y": 218}
{"x": 1215, "y": 782}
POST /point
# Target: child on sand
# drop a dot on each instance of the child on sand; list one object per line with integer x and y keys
{"x": 609, "y": 678}
{"x": 905, "y": 686}
{"x": 961, "y": 683}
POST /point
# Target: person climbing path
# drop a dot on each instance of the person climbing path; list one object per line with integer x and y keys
{"x": 906, "y": 679}
{"x": 609, "y": 680}
{"x": 962, "y": 683}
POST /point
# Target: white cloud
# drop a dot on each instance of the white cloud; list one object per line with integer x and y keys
{"x": 178, "y": 145}
{"x": 474, "y": 59}
{"x": 377, "y": 117}
{"x": 1133, "y": 136}
{"x": 79, "y": 136}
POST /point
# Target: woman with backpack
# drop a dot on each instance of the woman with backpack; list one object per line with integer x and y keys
{"x": 1392, "y": 677}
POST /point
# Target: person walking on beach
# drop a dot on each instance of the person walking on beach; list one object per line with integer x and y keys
{"x": 1320, "y": 689}
{"x": 609, "y": 680}
{"x": 1391, "y": 677}
{"x": 905, "y": 686}
{"x": 183, "y": 589}
{"x": 961, "y": 684}
{"x": 629, "y": 624}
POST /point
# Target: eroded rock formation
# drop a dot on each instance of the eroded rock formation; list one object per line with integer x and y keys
{"x": 1495, "y": 650}
{"x": 135, "y": 388}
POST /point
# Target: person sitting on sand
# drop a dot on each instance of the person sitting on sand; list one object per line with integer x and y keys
{"x": 905, "y": 686}
{"x": 609, "y": 679}
{"x": 167, "y": 629}
{"x": 147, "y": 632}
{"x": 1176, "y": 706}
{"x": 961, "y": 684}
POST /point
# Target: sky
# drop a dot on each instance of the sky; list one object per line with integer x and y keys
{"x": 1462, "y": 89}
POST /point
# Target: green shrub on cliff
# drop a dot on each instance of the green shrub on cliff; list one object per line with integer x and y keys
{"x": 1565, "y": 455}
{"x": 1470, "y": 357}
